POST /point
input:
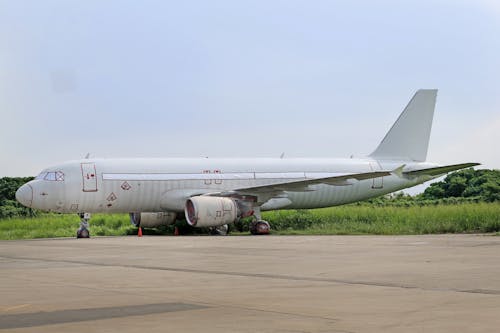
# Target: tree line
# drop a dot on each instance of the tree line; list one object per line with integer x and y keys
{"x": 9, "y": 207}
{"x": 469, "y": 183}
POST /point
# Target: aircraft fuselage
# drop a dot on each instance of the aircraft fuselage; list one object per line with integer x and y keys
{"x": 155, "y": 185}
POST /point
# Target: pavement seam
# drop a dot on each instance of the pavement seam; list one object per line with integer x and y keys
{"x": 264, "y": 276}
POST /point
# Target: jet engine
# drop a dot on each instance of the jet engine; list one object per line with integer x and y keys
{"x": 206, "y": 211}
{"x": 152, "y": 220}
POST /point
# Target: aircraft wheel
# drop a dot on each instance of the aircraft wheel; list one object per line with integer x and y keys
{"x": 83, "y": 233}
{"x": 260, "y": 228}
{"x": 222, "y": 230}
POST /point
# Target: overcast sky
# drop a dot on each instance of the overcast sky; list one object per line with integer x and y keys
{"x": 242, "y": 78}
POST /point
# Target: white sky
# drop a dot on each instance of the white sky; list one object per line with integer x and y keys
{"x": 242, "y": 78}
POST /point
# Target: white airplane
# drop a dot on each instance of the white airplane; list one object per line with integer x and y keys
{"x": 216, "y": 192}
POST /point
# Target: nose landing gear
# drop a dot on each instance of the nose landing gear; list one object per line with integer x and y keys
{"x": 83, "y": 231}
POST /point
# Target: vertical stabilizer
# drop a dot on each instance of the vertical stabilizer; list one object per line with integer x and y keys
{"x": 408, "y": 138}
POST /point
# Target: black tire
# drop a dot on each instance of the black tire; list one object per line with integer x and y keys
{"x": 260, "y": 228}
{"x": 82, "y": 233}
{"x": 222, "y": 230}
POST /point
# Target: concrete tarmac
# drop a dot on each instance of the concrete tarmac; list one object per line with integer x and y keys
{"x": 442, "y": 283}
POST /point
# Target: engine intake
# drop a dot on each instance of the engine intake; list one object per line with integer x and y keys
{"x": 208, "y": 211}
{"x": 152, "y": 220}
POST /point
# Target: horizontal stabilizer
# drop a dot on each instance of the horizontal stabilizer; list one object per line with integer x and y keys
{"x": 439, "y": 170}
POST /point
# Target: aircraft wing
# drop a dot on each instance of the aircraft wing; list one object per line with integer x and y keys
{"x": 303, "y": 185}
{"x": 439, "y": 170}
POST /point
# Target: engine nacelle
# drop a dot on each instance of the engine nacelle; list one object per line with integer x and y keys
{"x": 208, "y": 211}
{"x": 152, "y": 220}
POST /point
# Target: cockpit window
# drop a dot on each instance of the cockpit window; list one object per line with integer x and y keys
{"x": 41, "y": 176}
{"x": 59, "y": 176}
{"x": 51, "y": 176}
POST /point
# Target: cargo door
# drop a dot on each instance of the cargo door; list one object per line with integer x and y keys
{"x": 89, "y": 176}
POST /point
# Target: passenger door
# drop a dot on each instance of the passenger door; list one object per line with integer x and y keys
{"x": 89, "y": 176}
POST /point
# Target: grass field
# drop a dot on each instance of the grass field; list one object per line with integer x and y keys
{"x": 342, "y": 220}
{"x": 56, "y": 225}
{"x": 389, "y": 220}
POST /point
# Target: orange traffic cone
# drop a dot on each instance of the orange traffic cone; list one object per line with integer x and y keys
{"x": 176, "y": 231}
{"x": 139, "y": 233}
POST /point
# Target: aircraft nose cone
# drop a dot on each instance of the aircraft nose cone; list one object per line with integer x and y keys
{"x": 25, "y": 195}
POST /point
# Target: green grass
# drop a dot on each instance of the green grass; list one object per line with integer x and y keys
{"x": 388, "y": 220}
{"x": 56, "y": 225}
{"x": 343, "y": 220}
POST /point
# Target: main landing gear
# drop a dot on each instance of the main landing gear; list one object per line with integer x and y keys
{"x": 221, "y": 230}
{"x": 259, "y": 226}
{"x": 83, "y": 231}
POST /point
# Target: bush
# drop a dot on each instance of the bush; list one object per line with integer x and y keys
{"x": 9, "y": 207}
